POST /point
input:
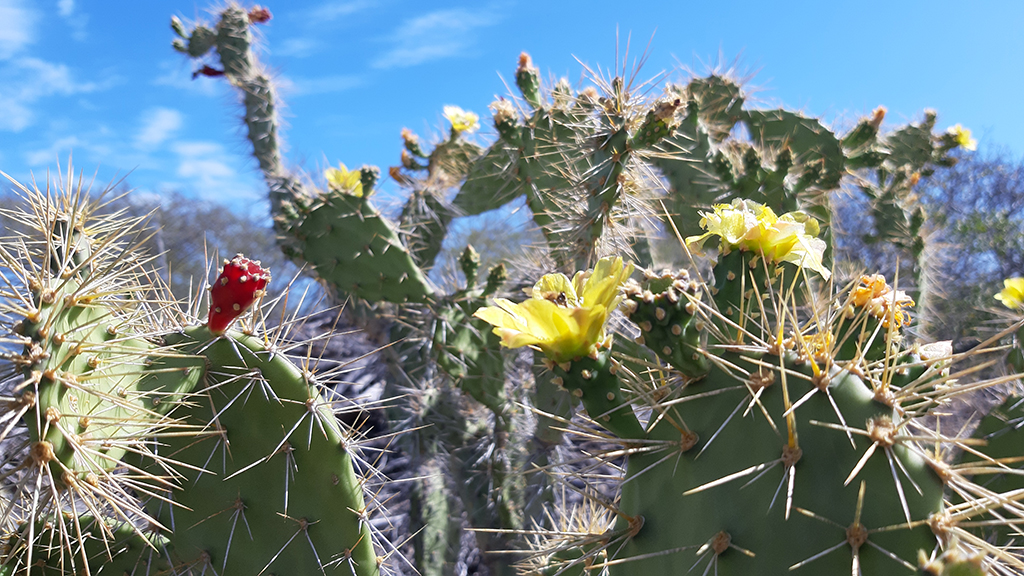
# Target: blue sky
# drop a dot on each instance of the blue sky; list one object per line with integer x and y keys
{"x": 99, "y": 79}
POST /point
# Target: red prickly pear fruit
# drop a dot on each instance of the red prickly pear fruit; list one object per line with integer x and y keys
{"x": 207, "y": 71}
{"x": 259, "y": 15}
{"x": 239, "y": 285}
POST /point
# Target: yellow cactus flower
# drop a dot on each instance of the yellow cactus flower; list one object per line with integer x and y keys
{"x": 462, "y": 121}
{"x": 564, "y": 319}
{"x": 963, "y": 137}
{"x": 747, "y": 225}
{"x": 344, "y": 180}
{"x": 878, "y": 298}
{"x": 1012, "y": 295}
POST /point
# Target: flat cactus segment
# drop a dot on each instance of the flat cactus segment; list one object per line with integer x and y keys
{"x": 669, "y": 323}
{"x": 911, "y": 145}
{"x": 712, "y": 105}
{"x": 490, "y": 183}
{"x": 719, "y": 103}
{"x": 425, "y": 219}
{"x": 272, "y": 487}
{"x": 86, "y": 376}
{"x": 736, "y": 478}
{"x": 593, "y": 381}
{"x": 469, "y": 351}
{"x": 809, "y": 141}
{"x": 356, "y": 250}
{"x": 1001, "y": 469}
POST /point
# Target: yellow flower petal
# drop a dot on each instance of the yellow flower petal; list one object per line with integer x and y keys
{"x": 747, "y": 225}
{"x": 1012, "y": 295}
{"x": 563, "y": 319}
{"x": 963, "y": 137}
{"x": 344, "y": 180}
{"x": 462, "y": 121}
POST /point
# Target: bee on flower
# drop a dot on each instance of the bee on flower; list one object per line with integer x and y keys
{"x": 564, "y": 319}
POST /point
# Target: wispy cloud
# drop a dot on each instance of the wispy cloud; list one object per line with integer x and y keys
{"x": 297, "y": 47}
{"x": 158, "y": 125}
{"x": 174, "y": 73}
{"x": 56, "y": 152}
{"x": 435, "y": 35}
{"x": 28, "y": 79}
{"x": 299, "y": 86}
{"x": 329, "y": 11}
{"x": 75, "y": 19}
{"x": 17, "y": 27}
{"x": 207, "y": 170}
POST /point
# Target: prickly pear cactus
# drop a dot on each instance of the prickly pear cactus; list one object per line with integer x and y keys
{"x": 778, "y": 446}
{"x": 771, "y": 418}
{"x": 143, "y": 441}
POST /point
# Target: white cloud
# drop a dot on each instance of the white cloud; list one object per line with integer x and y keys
{"x": 74, "y": 18}
{"x": 158, "y": 124}
{"x": 93, "y": 148}
{"x": 174, "y": 73}
{"x": 56, "y": 152}
{"x": 17, "y": 27}
{"x": 296, "y": 47}
{"x": 207, "y": 170}
{"x": 333, "y": 10}
{"x": 433, "y": 36}
{"x": 323, "y": 85}
{"x": 28, "y": 79}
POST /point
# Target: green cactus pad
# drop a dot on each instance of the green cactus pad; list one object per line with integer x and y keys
{"x": 810, "y": 142}
{"x": 668, "y": 322}
{"x": 353, "y": 247}
{"x": 593, "y": 381}
{"x": 490, "y": 183}
{"x": 469, "y": 351}
{"x": 734, "y": 479}
{"x": 271, "y": 486}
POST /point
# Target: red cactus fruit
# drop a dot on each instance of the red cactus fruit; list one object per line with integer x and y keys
{"x": 207, "y": 71}
{"x": 259, "y": 15}
{"x": 239, "y": 285}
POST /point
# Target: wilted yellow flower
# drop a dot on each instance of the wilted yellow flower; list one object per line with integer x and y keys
{"x": 564, "y": 319}
{"x": 747, "y": 225}
{"x": 462, "y": 121}
{"x": 344, "y": 180}
{"x": 963, "y": 137}
{"x": 878, "y": 298}
{"x": 1012, "y": 295}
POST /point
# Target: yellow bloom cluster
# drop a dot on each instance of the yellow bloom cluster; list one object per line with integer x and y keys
{"x": 1012, "y": 295}
{"x": 344, "y": 180}
{"x": 963, "y": 137}
{"x": 878, "y": 298}
{"x": 747, "y": 225}
{"x": 462, "y": 120}
{"x": 564, "y": 319}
